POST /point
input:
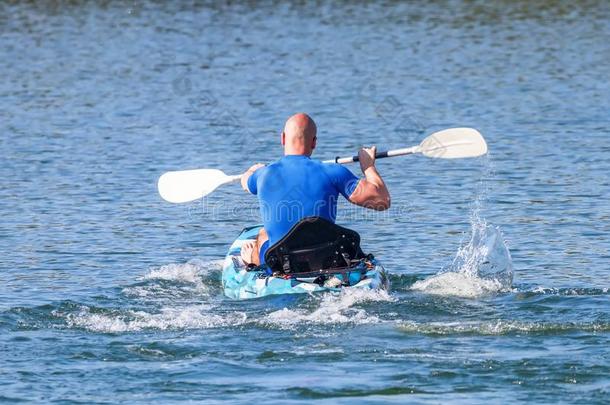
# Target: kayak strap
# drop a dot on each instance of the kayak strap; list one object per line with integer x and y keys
{"x": 314, "y": 244}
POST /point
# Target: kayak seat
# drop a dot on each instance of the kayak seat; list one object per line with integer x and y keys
{"x": 314, "y": 244}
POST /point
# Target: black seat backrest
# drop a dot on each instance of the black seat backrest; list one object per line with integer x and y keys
{"x": 314, "y": 244}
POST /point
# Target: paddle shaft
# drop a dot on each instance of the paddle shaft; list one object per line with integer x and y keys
{"x": 378, "y": 155}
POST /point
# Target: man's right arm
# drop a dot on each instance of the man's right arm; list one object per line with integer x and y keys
{"x": 371, "y": 192}
{"x": 246, "y": 176}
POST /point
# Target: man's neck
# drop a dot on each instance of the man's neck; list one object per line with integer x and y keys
{"x": 296, "y": 152}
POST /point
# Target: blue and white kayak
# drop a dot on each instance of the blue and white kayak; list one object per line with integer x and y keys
{"x": 241, "y": 283}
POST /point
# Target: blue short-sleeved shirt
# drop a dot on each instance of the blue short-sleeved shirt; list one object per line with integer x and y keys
{"x": 296, "y": 187}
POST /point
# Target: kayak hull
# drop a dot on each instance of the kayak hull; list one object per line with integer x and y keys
{"x": 238, "y": 283}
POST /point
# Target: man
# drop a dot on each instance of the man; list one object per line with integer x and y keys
{"x": 296, "y": 186}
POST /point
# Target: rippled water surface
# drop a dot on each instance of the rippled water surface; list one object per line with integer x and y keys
{"x": 498, "y": 265}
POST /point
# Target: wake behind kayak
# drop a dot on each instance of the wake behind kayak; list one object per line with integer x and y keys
{"x": 316, "y": 255}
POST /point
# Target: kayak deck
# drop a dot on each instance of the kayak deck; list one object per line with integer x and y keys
{"x": 239, "y": 283}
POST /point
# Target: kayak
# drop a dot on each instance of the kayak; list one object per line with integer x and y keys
{"x": 241, "y": 282}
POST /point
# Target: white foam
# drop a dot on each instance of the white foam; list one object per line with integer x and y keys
{"x": 567, "y": 291}
{"x": 191, "y": 317}
{"x": 498, "y": 327}
{"x": 334, "y": 308}
{"x": 314, "y": 351}
{"x": 458, "y": 284}
{"x": 189, "y": 272}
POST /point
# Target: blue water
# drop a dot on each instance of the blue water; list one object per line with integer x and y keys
{"x": 499, "y": 265}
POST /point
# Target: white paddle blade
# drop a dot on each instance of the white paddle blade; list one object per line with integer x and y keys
{"x": 189, "y": 185}
{"x": 454, "y": 143}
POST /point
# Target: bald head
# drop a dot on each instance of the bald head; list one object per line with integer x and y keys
{"x": 299, "y": 136}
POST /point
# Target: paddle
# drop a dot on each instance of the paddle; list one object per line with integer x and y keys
{"x": 189, "y": 185}
{"x": 450, "y": 143}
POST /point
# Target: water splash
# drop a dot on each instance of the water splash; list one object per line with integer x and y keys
{"x": 483, "y": 265}
{"x": 486, "y": 255}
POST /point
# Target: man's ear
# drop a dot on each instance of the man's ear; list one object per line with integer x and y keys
{"x": 313, "y": 143}
{"x": 283, "y": 138}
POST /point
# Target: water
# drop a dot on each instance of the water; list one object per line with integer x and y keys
{"x": 109, "y": 294}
